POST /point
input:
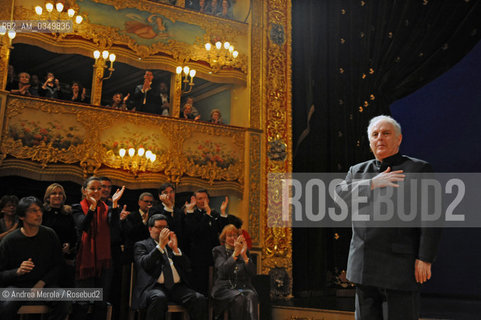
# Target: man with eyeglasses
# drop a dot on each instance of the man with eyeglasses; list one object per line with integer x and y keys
{"x": 135, "y": 227}
{"x": 162, "y": 274}
{"x": 174, "y": 215}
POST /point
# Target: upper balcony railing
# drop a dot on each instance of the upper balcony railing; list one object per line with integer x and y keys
{"x": 130, "y": 145}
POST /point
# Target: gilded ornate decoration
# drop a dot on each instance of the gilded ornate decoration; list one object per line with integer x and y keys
{"x": 4, "y": 59}
{"x": 177, "y": 51}
{"x": 257, "y": 54}
{"x": 277, "y": 34}
{"x": 96, "y": 94}
{"x": 277, "y": 249}
{"x": 255, "y": 187}
{"x": 277, "y": 150}
{"x": 60, "y": 132}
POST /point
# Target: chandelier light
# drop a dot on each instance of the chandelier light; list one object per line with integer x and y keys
{"x": 221, "y": 54}
{"x": 136, "y": 160}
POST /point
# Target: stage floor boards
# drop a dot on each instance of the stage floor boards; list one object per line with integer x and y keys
{"x": 342, "y": 308}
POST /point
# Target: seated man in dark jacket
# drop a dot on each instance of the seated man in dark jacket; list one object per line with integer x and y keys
{"x": 162, "y": 273}
{"x": 31, "y": 257}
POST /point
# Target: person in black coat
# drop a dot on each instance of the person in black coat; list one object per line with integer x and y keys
{"x": 162, "y": 274}
{"x": 175, "y": 216}
{"x": 233, "y": 289}
{"x": 203, "y": 226}
{"x": 387, "y": 264}
{"x": 93, "y": 219}
{"x": 147, "y": 98}
{"x": 135, "y": 226}
{"x": 58, "y": 216}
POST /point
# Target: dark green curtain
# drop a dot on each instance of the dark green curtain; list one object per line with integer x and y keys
{"x": 351, "y": 60}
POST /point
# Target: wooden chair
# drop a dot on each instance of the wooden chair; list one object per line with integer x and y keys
{"x": 211, "y": 300}
{"x": 33, "y": 309}
{"x": 44, "y": 309}
{"x": 171, "y": 308}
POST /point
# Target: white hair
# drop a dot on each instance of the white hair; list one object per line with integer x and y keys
{"x": 375, "y": 120}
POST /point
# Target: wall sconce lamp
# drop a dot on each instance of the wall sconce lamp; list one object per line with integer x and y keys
{"x": 10, "y": 34}
{"x": 183, "y": 74}
{"x": 100, "y": 62}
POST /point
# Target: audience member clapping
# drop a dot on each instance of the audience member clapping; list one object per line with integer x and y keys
{"x": 233, "y": 289}
{"x": 79, "y": 93}
{"x": 23, "y": 87}
{"x": 31, "y": 257}
{"x": 51, "y": 86}
{"x": 94, "y": 259}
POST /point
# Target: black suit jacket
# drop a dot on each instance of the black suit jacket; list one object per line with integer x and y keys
{"x": 152, "y": 100}
{"x": 201, "y": 236}
{"x": 149, "y": 262}
{"x": 385, "y": 257}
{"x": 134, "y": 230}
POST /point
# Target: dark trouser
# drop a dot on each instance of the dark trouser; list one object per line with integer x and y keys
{"x": 159, "y": 296}
{"x": 58, "y": 309}
{"x": 199, "y": 279}
{"x": 244, "y": 306}
{"x": 373, "y": 303}
{"x": 116, "y": 288}
{"x": 80, "y": 309}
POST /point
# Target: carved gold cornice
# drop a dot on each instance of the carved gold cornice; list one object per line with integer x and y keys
{"x": 168, "y": 54}
{"x": 74, "y": 173}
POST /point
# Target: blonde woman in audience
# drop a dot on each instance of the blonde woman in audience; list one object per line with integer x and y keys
{"x": 58, "y": 216}
{"x": 23, "y": 85}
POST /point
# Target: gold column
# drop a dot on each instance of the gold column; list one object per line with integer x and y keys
{"x": 176, "y": 84}
{"x": 97, "y": 80}
{"x": 5, "y": 57}
{"x": 276, "y": 101}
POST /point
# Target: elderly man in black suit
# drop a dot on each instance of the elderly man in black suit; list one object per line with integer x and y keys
{"x": 387, "y": 264}
{"x": 161, "y": 274}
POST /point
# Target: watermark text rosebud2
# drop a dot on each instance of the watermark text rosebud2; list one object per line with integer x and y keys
{"x": 329, "y": 200}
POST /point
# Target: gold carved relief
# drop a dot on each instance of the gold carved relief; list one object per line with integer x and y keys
{"x": 255, "y": 187}
{"x": 105, "y": 37}
{"x": 256, "y": 63}
{"x": 4, "y": 60}
{"x": 57, "y": 132}
{"x": 277, "y": 250}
